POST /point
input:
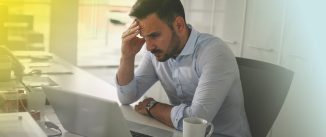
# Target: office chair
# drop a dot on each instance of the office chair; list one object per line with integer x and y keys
{"x": 265, "y": 87}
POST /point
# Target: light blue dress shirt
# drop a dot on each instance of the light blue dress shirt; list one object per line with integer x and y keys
{"x": 203, "y": 81}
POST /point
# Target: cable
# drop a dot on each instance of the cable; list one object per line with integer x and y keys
{"x": 22, "y": 103}
{"x": 47, "y": 124}
{"x": 51, "y": 125}
{"x": 35, "y": 114}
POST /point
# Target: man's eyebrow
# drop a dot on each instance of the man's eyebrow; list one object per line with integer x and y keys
{"x": 152, "y": 33}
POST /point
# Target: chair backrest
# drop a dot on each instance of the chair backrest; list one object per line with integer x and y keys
{"x": 265, "y": 87}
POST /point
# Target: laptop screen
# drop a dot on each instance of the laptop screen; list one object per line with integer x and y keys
{"x": 87, "y": 115}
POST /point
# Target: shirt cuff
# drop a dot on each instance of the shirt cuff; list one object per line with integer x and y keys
{"x": 125, "y": 88}
{"x": 177, "y": 115}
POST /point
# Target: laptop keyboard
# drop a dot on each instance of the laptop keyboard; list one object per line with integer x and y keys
{"x": 137, "y": 134}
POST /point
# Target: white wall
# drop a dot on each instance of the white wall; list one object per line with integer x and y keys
{"x": 304, "y": 44}
{"x": 63, "y": 29}
{"x": 263, "y": 30}
{"x": 233, "y": 25}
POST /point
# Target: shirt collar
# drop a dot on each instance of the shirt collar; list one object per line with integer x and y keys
{"x": 191, "y": 42}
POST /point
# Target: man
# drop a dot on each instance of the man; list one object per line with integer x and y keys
{"x": 197, "y": 71}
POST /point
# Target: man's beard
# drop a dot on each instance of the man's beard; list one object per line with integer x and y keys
{"x": 172, "y": 51}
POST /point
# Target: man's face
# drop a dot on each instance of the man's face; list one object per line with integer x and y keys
{"x": 161, "y": 40}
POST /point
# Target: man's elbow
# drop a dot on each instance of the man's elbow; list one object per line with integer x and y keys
{"x": 125, "y": 103}
{"x": 124, "y": 100}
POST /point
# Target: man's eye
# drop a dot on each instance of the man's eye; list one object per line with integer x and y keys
{"x": 154, "y": 35}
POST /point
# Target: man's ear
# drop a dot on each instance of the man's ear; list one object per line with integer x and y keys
{"x": 179, "y": 24}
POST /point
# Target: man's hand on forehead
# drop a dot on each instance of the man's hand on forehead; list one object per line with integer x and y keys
{"x": 131, "y": 32}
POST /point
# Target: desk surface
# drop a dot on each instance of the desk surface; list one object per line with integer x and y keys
{"x": 83, "y": 82}
{"x": 19, "y": 125}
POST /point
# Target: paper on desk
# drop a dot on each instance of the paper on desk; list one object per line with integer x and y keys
{"x": 38, "y": 81}
{"x": 48, "y": 68}
{"x": 38, "y": 64}
{"x": 26, "y": 54}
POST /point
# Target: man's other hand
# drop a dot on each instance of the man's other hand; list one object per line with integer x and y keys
{"x": 141, "y": 106}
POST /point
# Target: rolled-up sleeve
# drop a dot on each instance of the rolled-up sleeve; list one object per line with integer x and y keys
{"x": 177, "y": 115}
{"x": 126, "y": 93}
{"x": 144, "y": 78}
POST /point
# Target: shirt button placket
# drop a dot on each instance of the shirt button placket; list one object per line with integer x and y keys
{"x": 177, "y": 80}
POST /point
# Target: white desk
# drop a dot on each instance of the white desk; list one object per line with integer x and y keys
{"x": 83, "y": 82}
{"x": 19, "y": 125}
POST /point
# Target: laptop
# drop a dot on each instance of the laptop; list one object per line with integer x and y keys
{"x": 90, "y": 116}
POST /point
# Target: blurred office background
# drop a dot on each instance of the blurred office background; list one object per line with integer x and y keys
{"x": 290, "y": 33}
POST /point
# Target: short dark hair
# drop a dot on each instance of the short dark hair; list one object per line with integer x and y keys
{"x": 166, "y": 10}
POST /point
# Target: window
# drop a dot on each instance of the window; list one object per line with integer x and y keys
{"x": 24, "y": 24}
{"x": 100, "y": 25}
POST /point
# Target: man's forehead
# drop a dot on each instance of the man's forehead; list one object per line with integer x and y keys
{"x": 150, "y": 24}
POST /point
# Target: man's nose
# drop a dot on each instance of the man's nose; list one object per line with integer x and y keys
{"x": 150, "y": 46}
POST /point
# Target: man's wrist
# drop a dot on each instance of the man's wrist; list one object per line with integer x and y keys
{"x": 151, "y": 104}
{"x": 128, "y": 57}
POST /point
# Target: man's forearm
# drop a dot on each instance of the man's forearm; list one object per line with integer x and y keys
{"x": 126, "y": 70}
{"x": 162, "y": 112}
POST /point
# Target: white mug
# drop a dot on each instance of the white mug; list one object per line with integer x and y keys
{"x": 196, "y": 127}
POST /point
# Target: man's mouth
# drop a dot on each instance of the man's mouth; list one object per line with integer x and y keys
{"x": 156, "y": 52}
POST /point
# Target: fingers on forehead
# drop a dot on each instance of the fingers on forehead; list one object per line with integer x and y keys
{"x": 134, "y": 23}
